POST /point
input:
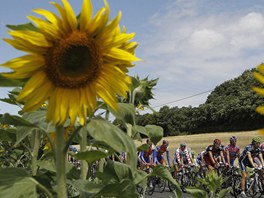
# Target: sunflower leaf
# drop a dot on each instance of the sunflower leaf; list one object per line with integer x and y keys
{"x": 155, "y": 133}
{"x": 26, "y": 26}
{"x": 125, "y": 112}
{"x": 104, "y": 131}
{"x": 90, "y": 156}
{"x": 7, "y": 135}
{"x": 15, "y": 120}
{"x": 6, "y": 82}
{"x": 17, "y": 183}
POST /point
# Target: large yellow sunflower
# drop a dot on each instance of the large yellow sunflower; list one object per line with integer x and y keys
{"x": 71, "y": 61}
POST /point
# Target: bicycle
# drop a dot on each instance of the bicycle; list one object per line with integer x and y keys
{"x": 254, "y": 183}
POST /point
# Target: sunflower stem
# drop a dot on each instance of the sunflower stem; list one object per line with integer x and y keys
{"x": 83, "y": 147}
{"x": 36, "y": 144}
{"x": 60, "y": 162}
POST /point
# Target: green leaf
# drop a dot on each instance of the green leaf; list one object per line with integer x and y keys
{"x": 125, "y": 112}
{"x": 163, "y": 172}
{"x": 9, "y": 101}
{"x": 155, "y": 133}
{"x": 224, "y": 192}
{"x": 15, "y": 120}
{"x": 47, "y": 164}
{"x": 17, "y": 183}
{"x": 22, "y": 133}
{"x": 123, "y": 189}
{"x": 6, "y": 82}
{"x": 90, "y": 156}
{"x": 196, "y": 192}
{"x": 141, "y": 129}
{"x": 143, "y": 147}
{"x": 26, "y": 26}
{"x": 7, "y": 135}
{"x": 39, "y": 119}
{"x": 101, "y": 145}
{"x": 141, "y": 178}
{"x": 104, "y": 131}
{"x": 90, "y": 187}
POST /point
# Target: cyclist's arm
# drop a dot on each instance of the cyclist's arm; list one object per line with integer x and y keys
{"x": 238, "y": 154}
{"x": 155, "y": 159}
{"x": 142, "y": 158}
{"x": 188, "y": 158}
{"x": 250, "y": 159}
{"x": 168, "y": 157}
{"x": 211, "y": 157}
{"x": 261, "y": 159}
{"x": 227, "y": 156}
{"x": 222, "y": 157}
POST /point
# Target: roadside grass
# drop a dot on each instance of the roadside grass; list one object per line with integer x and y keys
{"x": 199, "y": 142}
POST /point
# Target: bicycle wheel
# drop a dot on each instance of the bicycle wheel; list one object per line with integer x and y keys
{"x": 250, "y": 188}
{"x": 185, "y": 182}
{"x": 151, "y": 185}
{"x": 139, "y": 189}
{"x": 236, "y": 183}
{"x": 161, "y": 183}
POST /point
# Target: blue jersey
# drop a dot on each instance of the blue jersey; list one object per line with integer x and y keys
{"x": 250, "y": 149}
{"x": 158, "y": 154}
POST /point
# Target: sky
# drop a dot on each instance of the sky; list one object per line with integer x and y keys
{"x": 192, "y": 46}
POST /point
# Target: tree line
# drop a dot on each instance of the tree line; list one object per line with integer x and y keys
{"x": 229, "y": 107}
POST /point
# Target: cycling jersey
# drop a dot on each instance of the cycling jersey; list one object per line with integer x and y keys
{"x": 158, "y": 155}
{"x": 244, "y": 161}
{"x": 182, "y": 154}
{"x": 233, "y": 153}
{"x": 215, "y": 152}
{"x": 199, "y": 158}
{"x": 145, "y": 155}
{"x": 262, "y": 148}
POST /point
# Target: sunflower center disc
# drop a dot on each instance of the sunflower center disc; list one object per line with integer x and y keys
{"x": 74, "y": 61}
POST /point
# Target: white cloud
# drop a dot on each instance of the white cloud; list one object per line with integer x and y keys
{"x": 201, "y": 51}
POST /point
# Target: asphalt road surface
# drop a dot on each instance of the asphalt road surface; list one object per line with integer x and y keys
{"x": 168, "y": 194}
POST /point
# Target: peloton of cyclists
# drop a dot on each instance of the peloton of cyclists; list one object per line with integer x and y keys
{"x": 232, "y": 151}
{"x": 214, "y": 155}
{"x": 250, "y": 157}
{"x": 158, "y": 154}
{"x": 182, "y": 157}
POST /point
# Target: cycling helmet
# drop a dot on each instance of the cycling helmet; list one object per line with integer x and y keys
{"x": 233, "y": 139}
{"x": 165, "y": 142}
{"x": 217, "y": 141}
{"x": 182, "y": 144}
{"x": 256, "y": 140}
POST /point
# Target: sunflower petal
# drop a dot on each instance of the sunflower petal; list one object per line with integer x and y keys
{"x": 71, "y": 18}
{"x": 33, "y": 37}
{"x": 86, "y": 15}
{"x": 65, "y": 24}
{"x": 52, "y": 18}
{"x": 29, "y": 60}
{"x": 38, "y": 97}
{"x": 50, "y": 31}
{"x": 34, "y": 83}
{"x": 120, "y": 54}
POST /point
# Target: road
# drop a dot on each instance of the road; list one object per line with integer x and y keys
{"x": 168, "y": 194}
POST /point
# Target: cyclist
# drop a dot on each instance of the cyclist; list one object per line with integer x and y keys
{"x": 232, "y": 151}
{"x": 250, "y": 157}
{"x": 181, "y": 157}
{"x": 200, "y": 162}
{"x": 145, "y": 157}
{"x": 158, "y": 154}
{"x": 214, "y": 155}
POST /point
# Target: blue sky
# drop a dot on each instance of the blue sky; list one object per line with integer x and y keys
{"x": 190, "y": 45}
